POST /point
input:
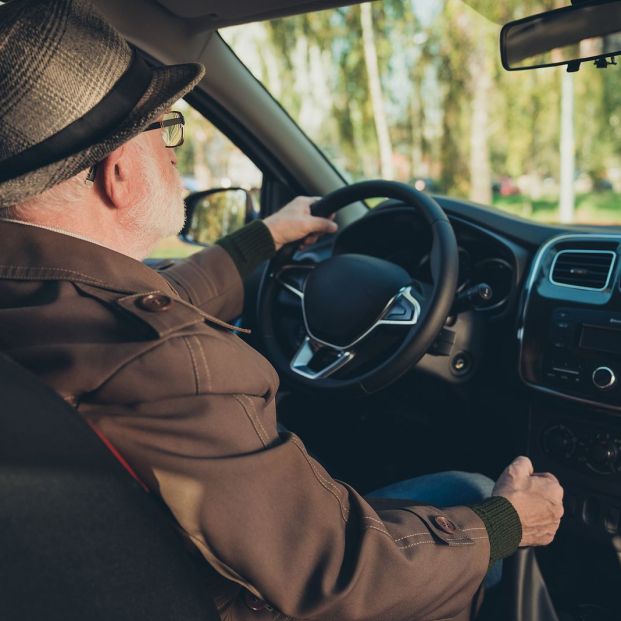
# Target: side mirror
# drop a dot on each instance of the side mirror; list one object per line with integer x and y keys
{"x": 567, "y": 36}
{"x": 212, "y": 214}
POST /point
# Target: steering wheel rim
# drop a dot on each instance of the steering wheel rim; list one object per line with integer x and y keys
{"x": 423, "y": 330}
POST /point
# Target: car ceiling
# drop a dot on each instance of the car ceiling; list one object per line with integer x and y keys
{"x": 219, "y": 13}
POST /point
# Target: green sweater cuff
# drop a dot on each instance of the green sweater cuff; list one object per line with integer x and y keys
{"x": 249, "y": 246}
{"x": 503, "y": 525}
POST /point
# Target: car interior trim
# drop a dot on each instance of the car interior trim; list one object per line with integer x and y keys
{"x": 577, "y": 251}
{"x": 522, "y": 314}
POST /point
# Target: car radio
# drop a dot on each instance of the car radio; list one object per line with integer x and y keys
{"x": 583, "y": 353}
{"x": 569, "y": 327}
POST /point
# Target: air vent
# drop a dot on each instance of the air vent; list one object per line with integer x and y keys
{"x": 583, "y": 269}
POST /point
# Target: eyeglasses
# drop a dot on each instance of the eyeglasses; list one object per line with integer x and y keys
{"x": 171, "y": 125}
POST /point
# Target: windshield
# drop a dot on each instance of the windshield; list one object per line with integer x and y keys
{"x": 414, "y": 91}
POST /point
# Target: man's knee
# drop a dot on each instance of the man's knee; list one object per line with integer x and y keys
{"x": 473, "y": 484}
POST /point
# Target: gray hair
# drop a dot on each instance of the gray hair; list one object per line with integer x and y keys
{"x": 52, "y": 201}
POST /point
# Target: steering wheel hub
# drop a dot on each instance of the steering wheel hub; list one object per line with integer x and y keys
{"x": 347, "y": 294}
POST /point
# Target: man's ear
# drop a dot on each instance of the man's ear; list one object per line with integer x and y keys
{"x": 116, "y": 176}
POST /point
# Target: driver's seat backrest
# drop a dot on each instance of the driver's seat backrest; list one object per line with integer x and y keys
{"x": 79, "y": 538}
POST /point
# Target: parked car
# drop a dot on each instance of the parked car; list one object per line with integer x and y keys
{"x": 505, "y": 186}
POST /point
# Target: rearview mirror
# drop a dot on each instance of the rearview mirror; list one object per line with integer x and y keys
{"x": 212, "y": 214}
{"x": 566, "y": 36}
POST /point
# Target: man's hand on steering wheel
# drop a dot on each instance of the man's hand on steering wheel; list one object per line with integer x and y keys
{"x": 294, "y": 221}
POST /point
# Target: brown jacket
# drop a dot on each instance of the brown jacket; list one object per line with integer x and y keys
{"x": 146, "y": 358}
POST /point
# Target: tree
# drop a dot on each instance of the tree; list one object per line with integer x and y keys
{"x": 375, "y": 88}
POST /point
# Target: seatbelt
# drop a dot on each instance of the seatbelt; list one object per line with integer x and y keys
{"x": 118, "y": 456}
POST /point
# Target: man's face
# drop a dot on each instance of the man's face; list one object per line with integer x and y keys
{"x": 160, "y": 212}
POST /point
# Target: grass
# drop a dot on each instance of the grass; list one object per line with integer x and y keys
{"x": 173, "y": 248}
{"x": 591, "y": 208}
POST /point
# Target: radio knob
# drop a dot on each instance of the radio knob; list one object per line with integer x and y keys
{"x": 560, "y": 442}
{"x": 604, "y": 378}
{"x": 602, "y": 454}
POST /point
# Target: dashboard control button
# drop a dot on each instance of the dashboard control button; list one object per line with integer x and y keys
{"x": 401, "y": 310}
{"x": 562, "y": 333}
{"x": 560, "y": 442}
{"x": 604, "y": 378}
{"x": 443, "y": 345}
{"x": 461, "y": 363}
{"x": 602, "y": 454}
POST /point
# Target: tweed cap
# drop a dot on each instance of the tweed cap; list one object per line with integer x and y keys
{"x": 71, "y": 91}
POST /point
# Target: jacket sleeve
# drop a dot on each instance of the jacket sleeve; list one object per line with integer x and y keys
{"x": 268, "y": 516}
{"x": 212, "y": 279}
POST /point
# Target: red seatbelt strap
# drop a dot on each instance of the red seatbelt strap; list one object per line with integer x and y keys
{"x": 119, "y": 457}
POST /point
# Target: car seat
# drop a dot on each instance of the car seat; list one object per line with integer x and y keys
{"x": 80, "y": 539}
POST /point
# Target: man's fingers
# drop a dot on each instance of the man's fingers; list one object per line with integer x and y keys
{"x": 324, "y": 225}
{"x": 309, "y": 240}
{"x": 520, "y": 467}
{"x": 546, "y": 475}
{"x": 558, "y": 489}
{"x": 555, "y": 490}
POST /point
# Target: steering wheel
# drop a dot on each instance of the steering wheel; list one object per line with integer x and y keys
{"x": 366, "y": 320}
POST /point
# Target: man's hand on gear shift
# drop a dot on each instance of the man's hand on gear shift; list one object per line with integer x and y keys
{"x": 537, "y": 498}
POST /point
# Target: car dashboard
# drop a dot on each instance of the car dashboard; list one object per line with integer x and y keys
{"x": 555, "y": 310}
{"x": 569, "y": 334}
{"x": 398, "y": 233}
{"x": 548, "y": 344}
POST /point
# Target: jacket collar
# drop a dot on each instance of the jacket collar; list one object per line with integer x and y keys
{"x": 35, "y": 253}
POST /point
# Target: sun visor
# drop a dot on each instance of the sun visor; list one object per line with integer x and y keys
{"x": 220, "y": 13}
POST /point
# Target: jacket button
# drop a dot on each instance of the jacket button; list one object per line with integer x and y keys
{"x": 154, "y": 302}
{"x": 254, "y": 603}
{"x": 444, "y": 524}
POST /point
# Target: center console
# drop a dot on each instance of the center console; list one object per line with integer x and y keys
{"x": 570, "y": 332}
{"x": 570, "y": 356}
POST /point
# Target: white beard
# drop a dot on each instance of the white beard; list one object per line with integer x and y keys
{"x": 161, "y": 213}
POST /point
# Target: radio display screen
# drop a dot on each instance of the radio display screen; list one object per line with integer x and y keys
{"x": 600, "y": 339}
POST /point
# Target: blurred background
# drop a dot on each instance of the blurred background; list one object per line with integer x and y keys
{"x": 414, "y": 90}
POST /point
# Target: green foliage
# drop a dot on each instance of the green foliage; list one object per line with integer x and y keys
{"x": 435, "y": 56}
{"x": 217, "y": 215}
{"x": 591, "y": 208}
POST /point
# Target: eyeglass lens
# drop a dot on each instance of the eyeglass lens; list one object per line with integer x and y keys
{"x": 172, "y": 129}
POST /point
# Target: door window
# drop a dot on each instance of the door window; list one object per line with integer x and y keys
{"x": 207, "y": 160}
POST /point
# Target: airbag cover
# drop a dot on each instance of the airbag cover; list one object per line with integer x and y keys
{"x": 345, "y": 295}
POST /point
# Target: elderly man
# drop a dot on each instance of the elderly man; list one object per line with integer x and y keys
{"x": 88, "y": 185}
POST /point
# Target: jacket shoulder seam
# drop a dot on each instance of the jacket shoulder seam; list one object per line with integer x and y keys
{"x": 253, "y": 418}
{"x": 155, "y": 345}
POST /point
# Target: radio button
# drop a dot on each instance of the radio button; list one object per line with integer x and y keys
{"x": 562, "y": 333}
{"x": 604, "y": 378}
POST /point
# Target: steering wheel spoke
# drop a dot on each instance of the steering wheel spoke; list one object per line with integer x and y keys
{"x": 422, "y": 291}
{"x": 403, "y": 310}
{"x": 315, "y": 360}
{"x": 293, "y": 278}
